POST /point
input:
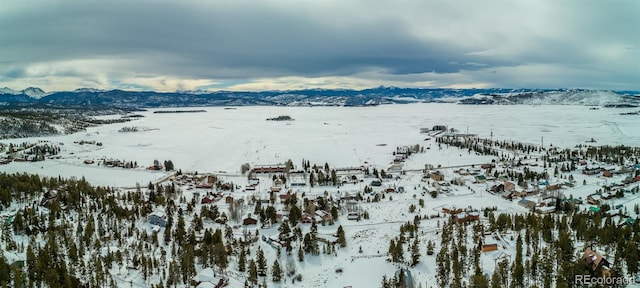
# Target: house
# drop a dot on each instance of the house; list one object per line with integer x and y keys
{"x": 546, "y": 209}
{"x": 594, "y": 199}
{"x": 629, "y": 221}
{"x": 489, "y": 244}
{"x": 487, "y": 166}
{"x": 439, "y": 128}
{"x": 509, "y": 186}
{"x": 376, "y": 183}
{"x": 157, "y": 218}
{"x": 395, "y": 167}
{"x": 306, "y": 219}
{"x": 249, "y": 220}
{"x": 280, "y": 168}
{"x": 467, "y": 217}
{"x": 208, "y": 199}
{"x": 594, "y": 209}
{"x": 207, "y": 278}
{"x": 436, "y": 176}
{"x": 228, "y": 199}
{"x": 591, "y": 170}
{"x": 595, "y": 262}
{"x": 324, "y": 215}
{"x": 452, "y": 210}
{"x": 204, "y": 186}
{"x": 473, "y": 216}
{"x": 285, "y": 197}
{"x": 607, "y": 173}
{"x": 480, "y": 179}
{"x": 496, "y": 189}
{"x": 629, "y": 180}
{"x": 352, "y": 216}
{"x": 527, "y": 203}
{"x": 221, "y": 219}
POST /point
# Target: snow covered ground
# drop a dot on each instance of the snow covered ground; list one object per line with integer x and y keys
{"x": 220, "y": 140}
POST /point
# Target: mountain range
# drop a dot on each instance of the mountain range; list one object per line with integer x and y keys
{"x": 88, "y": 97}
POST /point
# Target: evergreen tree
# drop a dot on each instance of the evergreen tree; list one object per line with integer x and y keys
{"x": 518, "y": 268}
{"x": 261, "y": 261}
{"x": 342, "y": 240}
{"x": 253, "y": 272}
{"x": 242, "y": 259}
{"x": 276, "y": 271}
{"x": 415, "y": 252}
{"x": 300, "y": 254}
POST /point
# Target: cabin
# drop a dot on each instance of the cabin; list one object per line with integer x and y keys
{"x": 452, "y": 211}
{"x": 527, "y": 203}
{"x": 249, "y": 220}
{"x": 594, "y": 199}
{"x": 595, "y": 262}
{"x": 285, "y": 197}
{"x": 208, "y": 199}
{"x": 509, "y": 186}
{"x": 467, "y": 217}
{"x": 306, "y": 219}
{"x": 323, "y": 215}
{"x": 489, "y": 244}
{"x": 207, "y": 278}
{"x": 546, "y": 209}
{"x": 228, "y": 199}
{"x": 591, "y": 170}
{"x": 480, "y": 179}
{"x": 269, "y": 169}
{"x": 436, "y": 176}
{"x": 157, "y": 218}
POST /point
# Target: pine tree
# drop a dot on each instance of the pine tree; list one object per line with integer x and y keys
{"x": 253, "y": 272}
{"x": 242, "y": 259}
{"x": 276, "y": 271}
{"x": 342, "y": 240}
{"x": 518, "y": 268}
{"x": 415, "y": 252}
{"x": 300, "y": 254}
{"x": 443, "y": 266}
{"x": 261, "y": 262}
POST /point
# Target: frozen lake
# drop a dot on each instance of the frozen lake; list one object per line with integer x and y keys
{"x": 222, "y": 139}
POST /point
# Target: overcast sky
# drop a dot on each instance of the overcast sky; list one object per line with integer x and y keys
{"x": 286, "y": 44}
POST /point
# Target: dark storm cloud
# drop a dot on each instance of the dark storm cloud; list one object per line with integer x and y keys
{"x": 121, "y": 41}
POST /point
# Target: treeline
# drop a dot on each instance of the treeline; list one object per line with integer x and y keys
{"x": 547, "y": 253}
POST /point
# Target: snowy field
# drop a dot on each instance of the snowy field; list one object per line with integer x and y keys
{"x": 222, "y": 139}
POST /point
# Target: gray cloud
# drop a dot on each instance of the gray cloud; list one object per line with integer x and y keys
{"x": 198, "y": 42}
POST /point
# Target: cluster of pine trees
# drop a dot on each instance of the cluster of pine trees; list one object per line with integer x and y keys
{"x": 548, "y": 249}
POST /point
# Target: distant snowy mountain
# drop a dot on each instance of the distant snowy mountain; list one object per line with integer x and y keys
{"x": 555, "y": 97}
{"x": 7, "y": 90}
{"x": 89, "y": 97}
{"x": 34, "y": 92}
{"x": 88, "y": 90}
